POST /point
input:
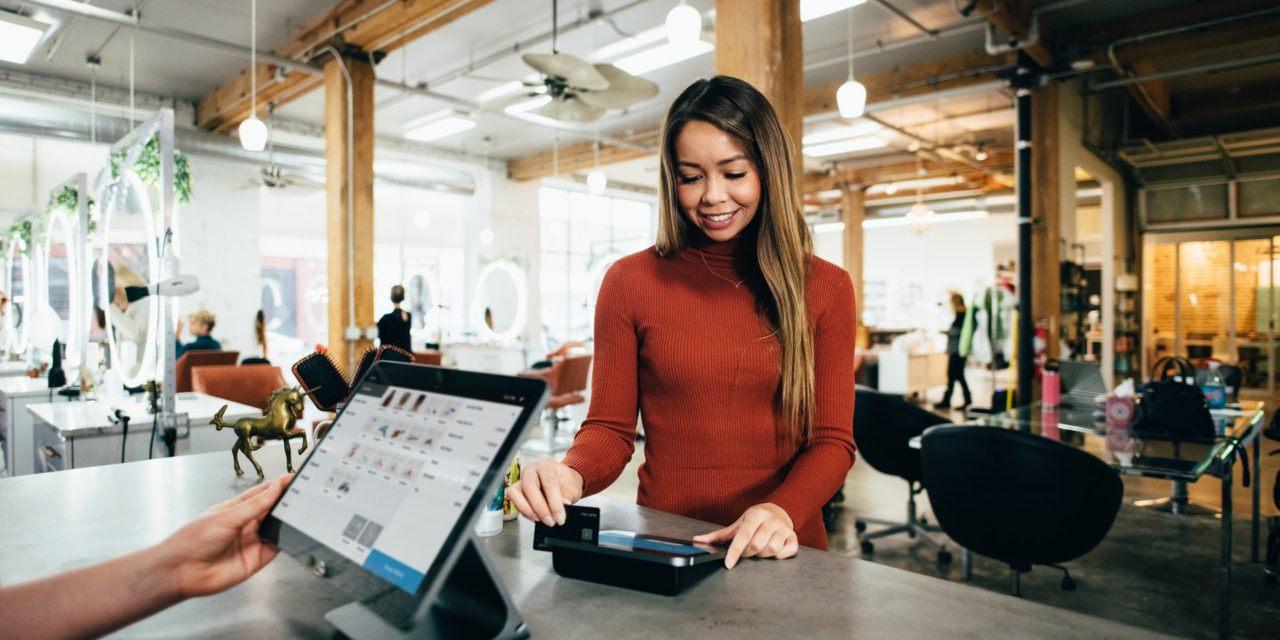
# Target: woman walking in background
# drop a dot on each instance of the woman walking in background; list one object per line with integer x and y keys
{"x": 955, "y": 361}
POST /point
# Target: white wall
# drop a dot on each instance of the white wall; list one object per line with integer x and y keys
{"x": 920, "y": 270}
{"x": 32, "y": 167}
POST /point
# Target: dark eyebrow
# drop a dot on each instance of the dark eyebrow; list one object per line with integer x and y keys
{"x": 685, "y": 163}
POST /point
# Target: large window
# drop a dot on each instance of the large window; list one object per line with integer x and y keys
{"x": 581, "y": 235}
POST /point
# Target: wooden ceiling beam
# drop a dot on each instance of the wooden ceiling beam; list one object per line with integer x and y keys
{"x": 1097, "y": 36}
{"x": 998, "y": 160}
{"x": 1193, "y": 107}
{"x": 577, "y": 157}
{"x": 348, "y": 24}
{"x": 963, "y": 70}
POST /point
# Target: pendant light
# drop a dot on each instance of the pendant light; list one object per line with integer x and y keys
{"x": 253, "y": 132}
{"x": 684, "y": 25}
{"x": 919, "y": 217}
{"x": 596, "y": 180}
{"x": 851, "y": 97}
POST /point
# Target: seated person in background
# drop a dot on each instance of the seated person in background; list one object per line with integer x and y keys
{"x": 202, "y": 322}
{"x": 217, "y": 551}
{"x": 393, "y": 328}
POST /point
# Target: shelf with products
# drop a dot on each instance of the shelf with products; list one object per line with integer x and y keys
{"x": 1126, "y": 327}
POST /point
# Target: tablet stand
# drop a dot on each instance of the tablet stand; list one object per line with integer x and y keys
{"x": 471, "y": 604}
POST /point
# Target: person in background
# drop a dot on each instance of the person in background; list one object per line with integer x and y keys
{"x": 731, "y": 338}
{"x": 955, "y": 361}
{"x": 202, "y": 323}
{"x": 393, "y": 328}
{"x": 259, "y": 350}
{"x": 213, "y": 553}
{"x": 5, "y": 332}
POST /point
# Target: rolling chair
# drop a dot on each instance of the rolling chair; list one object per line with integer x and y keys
{"x": 568, "y": 378}
{"x": 883, "y": 427}
{"x": 432, "y": 357}
{"x": 1017, "y": 497}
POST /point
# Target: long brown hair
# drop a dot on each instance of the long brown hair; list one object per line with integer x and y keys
{"x": 783, "y": 242}
{"x": 260, "y": 330}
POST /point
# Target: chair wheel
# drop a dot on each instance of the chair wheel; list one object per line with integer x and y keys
{"x": 859, "y": 526}
{"x": 1272, "y": 576}
{"x": 1068, "y": 584}
{"x": 867, "y": 547}
{"x": 911, "y": 534}
{"x": 944, "y": 556}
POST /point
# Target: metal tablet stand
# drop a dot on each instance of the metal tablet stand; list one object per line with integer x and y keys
{"x": 472, "y": 603}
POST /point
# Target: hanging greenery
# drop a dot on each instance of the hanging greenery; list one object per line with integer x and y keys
{"x": 147, "y": 167}
{"x": 22, "y": 229}
{"x": 66, "y": 198}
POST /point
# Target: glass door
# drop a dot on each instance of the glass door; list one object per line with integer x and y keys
{"x": 1253, "y": 283}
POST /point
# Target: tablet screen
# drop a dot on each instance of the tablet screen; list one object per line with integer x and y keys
{"x": 395, "y": 473}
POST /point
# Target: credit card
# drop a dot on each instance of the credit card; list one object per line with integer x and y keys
{"x": 581, "y": 524}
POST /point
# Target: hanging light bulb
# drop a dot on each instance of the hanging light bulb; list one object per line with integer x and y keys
{"x": 596, "y": 182}
{"x": 891, "y": 188}
{"x": 981, "y": 154}
{"x": 253, "y": 133}
{"x": 684, "y": 25}
{"x": 851, "y": 97}
{"x": 919, "y": 217}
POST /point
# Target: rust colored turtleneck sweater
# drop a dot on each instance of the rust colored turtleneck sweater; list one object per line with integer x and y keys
{"x": 678, "y": 342}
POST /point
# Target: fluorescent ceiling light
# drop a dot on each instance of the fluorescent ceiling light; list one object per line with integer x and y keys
{"x": 921, "y": 183}
{"x": 828, "y": 227}
{"x": 903, "y": 221}
{"x": 504, "y": 89}
{"x": 830, "y": 194}
{"x": 830, "y": 132}
{"x": 844, "y": 146}
{"x": 813, "y": 9}
{"x": 438, "y": 125}
{"x": 627, "y": 45}
{"x": 662, "y": 56}
{"x": 19, "y": 36}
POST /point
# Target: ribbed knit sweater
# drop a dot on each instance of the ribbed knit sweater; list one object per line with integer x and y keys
{"x": 676, "y": 341}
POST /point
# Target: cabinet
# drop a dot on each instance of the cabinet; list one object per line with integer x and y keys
{"x": 910, "y": 374}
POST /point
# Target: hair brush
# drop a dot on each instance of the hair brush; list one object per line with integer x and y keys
{"x": 323, "y": 381}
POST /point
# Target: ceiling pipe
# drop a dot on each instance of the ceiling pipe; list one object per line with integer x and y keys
{"x": 1203, "y": 68}
{"x": 931, "y": 33}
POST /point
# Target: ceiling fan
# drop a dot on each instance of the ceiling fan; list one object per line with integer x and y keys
{"x": 579, "y": 91}
{"x": 272, "y": 175}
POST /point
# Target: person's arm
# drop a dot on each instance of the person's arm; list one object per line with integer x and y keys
{"x": 215, "y": 552}
{"x": 606, "y": 441}
{"x": 820, "y": 469}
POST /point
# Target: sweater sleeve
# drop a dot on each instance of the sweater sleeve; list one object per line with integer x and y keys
{"x": 606, "y": 441}
{"x": 820, "y": 468}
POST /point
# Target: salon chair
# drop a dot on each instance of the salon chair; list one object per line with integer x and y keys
{"x": 192, "y": 359}
{"x": 247, "y": 384}
{"x": 432, "y": 357}
{"x": 568, "y": 379}
{"x": 883, "y": 426}
{"x": 1020, "y": 498}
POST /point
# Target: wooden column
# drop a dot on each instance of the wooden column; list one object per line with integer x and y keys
{"x": 1046, "y": 160}
{"x": 760, "y": 41}
{"x": 853, "y": 209}
{"x": 349, "y": 229}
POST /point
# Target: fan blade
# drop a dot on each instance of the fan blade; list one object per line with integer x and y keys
{"x": 499, "y": 105}
{"x": 570, "y": 70}
{"x": 571, "y": 110}
{"x": 624, "y": 89}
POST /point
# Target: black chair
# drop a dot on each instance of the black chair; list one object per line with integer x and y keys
{"x": 883, "y": 427}
{"x": 1017, "y": 497}
{"x": 254, "y": 360}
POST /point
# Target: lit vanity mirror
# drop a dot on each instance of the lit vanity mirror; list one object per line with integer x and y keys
{"x": 130, "y": 314}
{"x": 501, "y": 303}
{"x": 18, "y": 283}
{"x": 62, "y": 284}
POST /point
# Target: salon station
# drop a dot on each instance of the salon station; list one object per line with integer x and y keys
{"x": 1061, "y": 219}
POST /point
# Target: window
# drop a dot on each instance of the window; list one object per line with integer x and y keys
{"x": 581, "y": 235}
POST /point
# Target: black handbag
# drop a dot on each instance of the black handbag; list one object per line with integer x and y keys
{"x": 1173, "y": 409}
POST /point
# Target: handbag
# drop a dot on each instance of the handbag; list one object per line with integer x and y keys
{"x": 1173, "y": 409}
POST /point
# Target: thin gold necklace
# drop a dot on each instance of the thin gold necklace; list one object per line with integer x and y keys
{"x": 713, "y": 272}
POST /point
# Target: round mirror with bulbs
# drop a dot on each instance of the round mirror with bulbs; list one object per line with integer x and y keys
{"x": 62, "y": 282}
{"x": 131, "y": 315}
{"x": 17, "y": 275}
{"x": 501, "y": 303}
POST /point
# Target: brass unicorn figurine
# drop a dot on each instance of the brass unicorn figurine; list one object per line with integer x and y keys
{"x": 277, "y": 423}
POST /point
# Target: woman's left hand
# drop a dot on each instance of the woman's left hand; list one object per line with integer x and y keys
{"x": 221, "y": 548}
{"x": 763, "y": 531}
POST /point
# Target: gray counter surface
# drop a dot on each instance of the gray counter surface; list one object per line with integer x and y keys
{"x": 60, "y": 521}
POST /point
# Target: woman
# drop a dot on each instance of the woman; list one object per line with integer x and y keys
{"x": 729, "y": 336}
{"x": 955, "y": 361}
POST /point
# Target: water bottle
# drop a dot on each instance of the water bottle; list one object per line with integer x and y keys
{"x": 1214, "y": 388}
{"x": 1051, "y": 393}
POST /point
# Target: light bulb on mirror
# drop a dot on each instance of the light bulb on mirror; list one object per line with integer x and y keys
{"x": 253, "y": 134}
{"x": 851, "y": 98}
{"x": 596, "y": 182}
{"x": 684, "y": 25}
